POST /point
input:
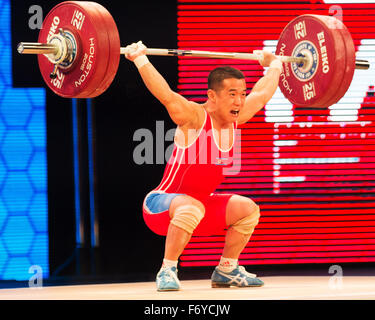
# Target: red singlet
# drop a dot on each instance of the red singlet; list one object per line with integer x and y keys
{"x": 196, "y": 170}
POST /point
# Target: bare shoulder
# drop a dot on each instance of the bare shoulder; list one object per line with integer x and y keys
{"x": 190, "y": 130}
{"x": 184, "y": 112}
{"x": 200, "y": 115}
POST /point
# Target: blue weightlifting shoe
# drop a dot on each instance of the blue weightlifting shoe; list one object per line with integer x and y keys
{"x": 166, "y": 279}
{"x": 237, "y": 277}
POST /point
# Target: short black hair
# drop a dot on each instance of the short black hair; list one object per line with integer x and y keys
{"x": 217, "y": 75}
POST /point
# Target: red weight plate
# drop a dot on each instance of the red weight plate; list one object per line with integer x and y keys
{"x": 314, "y": 84}
{"x": 333, "y": 24}
{"x": 90, "y": 65}
{"x": 349, "y": 65}
{"x": 114, "y": 48}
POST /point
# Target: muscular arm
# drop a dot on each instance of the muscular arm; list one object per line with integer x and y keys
{"x": 180, "y": 109}
{"x": 261, "y": 93}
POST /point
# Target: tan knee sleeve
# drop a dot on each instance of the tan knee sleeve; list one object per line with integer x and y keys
{"x": 247, "y": 225}
{"x": 187, "y": 217}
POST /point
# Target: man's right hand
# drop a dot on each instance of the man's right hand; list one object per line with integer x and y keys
{"x": 266, "y": 57}
{"x": 135, "y": 50}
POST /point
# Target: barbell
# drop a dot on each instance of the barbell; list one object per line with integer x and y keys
{"x": 79, "y": 51}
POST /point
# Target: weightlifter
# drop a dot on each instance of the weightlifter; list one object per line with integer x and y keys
{"x": 184, "y": 203}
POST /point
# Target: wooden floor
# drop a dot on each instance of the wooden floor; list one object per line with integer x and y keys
{"x": 275, "y": 288}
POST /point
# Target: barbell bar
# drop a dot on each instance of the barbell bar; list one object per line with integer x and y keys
{"x": 45, "y": 48}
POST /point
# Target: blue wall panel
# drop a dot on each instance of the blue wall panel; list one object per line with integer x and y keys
{"x": 23, "y": 169}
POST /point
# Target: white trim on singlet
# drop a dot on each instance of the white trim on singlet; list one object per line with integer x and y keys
{"x": 175, "y": 160}
{"x": 176, "y": 170}
{"x": 200, "y": 131}
{"x": 217, "y": 145}
{"x": 173, "y": 170}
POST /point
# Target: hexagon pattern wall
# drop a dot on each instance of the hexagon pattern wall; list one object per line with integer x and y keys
{"x": 23, "y": 169}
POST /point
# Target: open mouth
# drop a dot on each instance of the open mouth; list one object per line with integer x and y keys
{"x": 235, "y": 112}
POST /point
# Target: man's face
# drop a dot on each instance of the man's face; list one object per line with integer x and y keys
{"x": 230, "y": 99}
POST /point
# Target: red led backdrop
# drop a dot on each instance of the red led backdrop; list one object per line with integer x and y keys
{"x": 312, "y": 171}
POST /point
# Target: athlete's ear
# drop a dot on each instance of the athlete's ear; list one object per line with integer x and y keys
{"x": 211, "y": 94}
